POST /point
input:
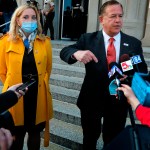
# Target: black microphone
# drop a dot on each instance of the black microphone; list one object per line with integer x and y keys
{"x": 115, "y": 70}
{"x": 126, "y": 64}
{"x": 116, "y": 73}
{"x": 127, "y": 67}
{"x": 136, "y": 59}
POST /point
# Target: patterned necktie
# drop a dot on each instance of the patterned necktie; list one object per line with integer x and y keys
{"x": 111, "y": 52}
{"x": 26, "y": 43}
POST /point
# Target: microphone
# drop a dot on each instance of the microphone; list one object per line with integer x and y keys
{"x": 127, "y": 67}
{"x": 126, "y": 63}
{"x": 115, "y": 70}
{"x": 116, "y": 73}
{"x": 136, "y": 59}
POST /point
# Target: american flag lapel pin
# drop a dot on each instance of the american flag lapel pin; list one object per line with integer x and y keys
{"x": 125, "y": 44}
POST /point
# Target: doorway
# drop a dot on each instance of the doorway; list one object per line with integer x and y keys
{"x": 74, "y": 19}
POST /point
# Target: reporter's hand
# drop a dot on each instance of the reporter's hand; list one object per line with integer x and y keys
{"x": 131, "y": 98}
{"x": 18, "y": 93}
{"x": 6, "y": 139}
{"x": 85, "y": 56}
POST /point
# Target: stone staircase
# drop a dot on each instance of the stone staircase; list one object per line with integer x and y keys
{"x": 65, "y": 84}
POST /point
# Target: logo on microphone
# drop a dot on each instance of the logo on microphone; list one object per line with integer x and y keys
{"x": 126, "y": 66}
{"x": 114, "y": 70}
{"x": 136, "y": 59}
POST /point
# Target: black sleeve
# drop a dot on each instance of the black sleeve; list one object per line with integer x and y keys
{"x": 141, "y": 66}
{"x": 67, "y": 52}
{"x": 7, "y": 100}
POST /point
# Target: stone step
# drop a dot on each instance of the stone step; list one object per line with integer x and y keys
{"x": 70, "y": 135}
{"x": 66, "y": 134}
{"x": 56, "y": 59}
{"x": 56, "y": 51}
{"x": 66, "y": 81}
{"x": 59, "y": 44}
{"x": 68, "y": 70}
{"x": 52, "y": 146}
{"x": 146, "y": 52}
{"x": 147, "y": 60}
{"x": 67, "y": 112}
{"x": 64, "y": 94}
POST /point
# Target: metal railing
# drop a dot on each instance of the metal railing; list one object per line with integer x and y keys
{"x": 4, "y": 24}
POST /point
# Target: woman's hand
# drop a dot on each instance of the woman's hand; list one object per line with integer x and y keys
{"x": 131, "y": 98}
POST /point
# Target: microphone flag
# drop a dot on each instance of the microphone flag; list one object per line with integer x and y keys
{"x": 126, "y": 65}
{"x": 136, "y": 59}
{"x": 112, "y": 87}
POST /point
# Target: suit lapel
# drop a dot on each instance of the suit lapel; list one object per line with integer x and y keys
{"x": 100, "y": 49}
{"x": 124, "y": 45}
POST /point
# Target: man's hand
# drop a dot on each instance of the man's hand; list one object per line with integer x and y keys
{"x": 1, "y": 13}
{"x": 6, "y": 139}
{"x": 85, "y": 56}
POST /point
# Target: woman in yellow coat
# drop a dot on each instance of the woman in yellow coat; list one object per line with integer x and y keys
{"x": 25, "y": 54}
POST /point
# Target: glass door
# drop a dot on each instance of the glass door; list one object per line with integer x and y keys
{"x": 66, "y": 25}
{"x": 74, "y": 19}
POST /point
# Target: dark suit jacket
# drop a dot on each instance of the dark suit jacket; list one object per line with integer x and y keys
{"x": 94, "y": 93}
{"x": 7, "y": 100}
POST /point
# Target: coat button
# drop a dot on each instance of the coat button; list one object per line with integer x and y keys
{"x": 39, "y": 62}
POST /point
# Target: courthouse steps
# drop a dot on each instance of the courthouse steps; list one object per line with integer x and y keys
{"x": 65, "y": 84}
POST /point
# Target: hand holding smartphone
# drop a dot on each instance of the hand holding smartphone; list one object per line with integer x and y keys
{"x": 25, "y": 85}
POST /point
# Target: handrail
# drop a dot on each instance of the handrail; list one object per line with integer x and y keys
{"x": 5, "y": 24}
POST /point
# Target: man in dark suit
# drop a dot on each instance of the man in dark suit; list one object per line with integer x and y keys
{"x": 94, "y": 100}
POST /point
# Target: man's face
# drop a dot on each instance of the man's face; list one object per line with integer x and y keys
{"x": 112, "y": 20}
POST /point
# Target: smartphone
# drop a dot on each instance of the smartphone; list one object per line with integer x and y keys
{"x": 24, "y": 85}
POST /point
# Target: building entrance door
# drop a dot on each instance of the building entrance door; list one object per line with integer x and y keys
{"x": 74, "y": 18}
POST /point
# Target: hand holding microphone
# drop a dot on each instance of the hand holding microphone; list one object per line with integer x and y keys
{"x": 117, "y": 74}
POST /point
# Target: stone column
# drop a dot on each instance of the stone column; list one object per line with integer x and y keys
{"x": 146, "y": 39}
{"x": 134, "y": 17}
{"x": 92, "y": 21}
{"x": 135, "y": 12}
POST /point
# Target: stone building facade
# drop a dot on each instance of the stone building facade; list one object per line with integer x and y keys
{"x": 136, "y": 17}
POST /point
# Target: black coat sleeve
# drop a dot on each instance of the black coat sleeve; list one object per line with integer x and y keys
{"x": 7, "y": 100}
{"x": 67, "y": 52}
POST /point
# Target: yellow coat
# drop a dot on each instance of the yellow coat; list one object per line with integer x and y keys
{"x": 11, "y": 56}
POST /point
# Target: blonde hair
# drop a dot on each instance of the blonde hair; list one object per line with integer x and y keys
{"x": 14, "y": 27}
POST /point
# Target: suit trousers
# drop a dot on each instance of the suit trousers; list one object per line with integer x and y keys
{"x": 114, "y": 119}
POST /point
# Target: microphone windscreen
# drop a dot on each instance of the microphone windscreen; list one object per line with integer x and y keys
{"x": 112, "y": 64}
{"x": 124, "y": 57}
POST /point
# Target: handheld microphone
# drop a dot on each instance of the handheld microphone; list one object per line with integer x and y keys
{"x": 116, "y": 73}
{"x": 115, "y": 70}
{"x": 126, "y": 63}
{"x": 136, "y": 59}
{"x": 127, "y": 67}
